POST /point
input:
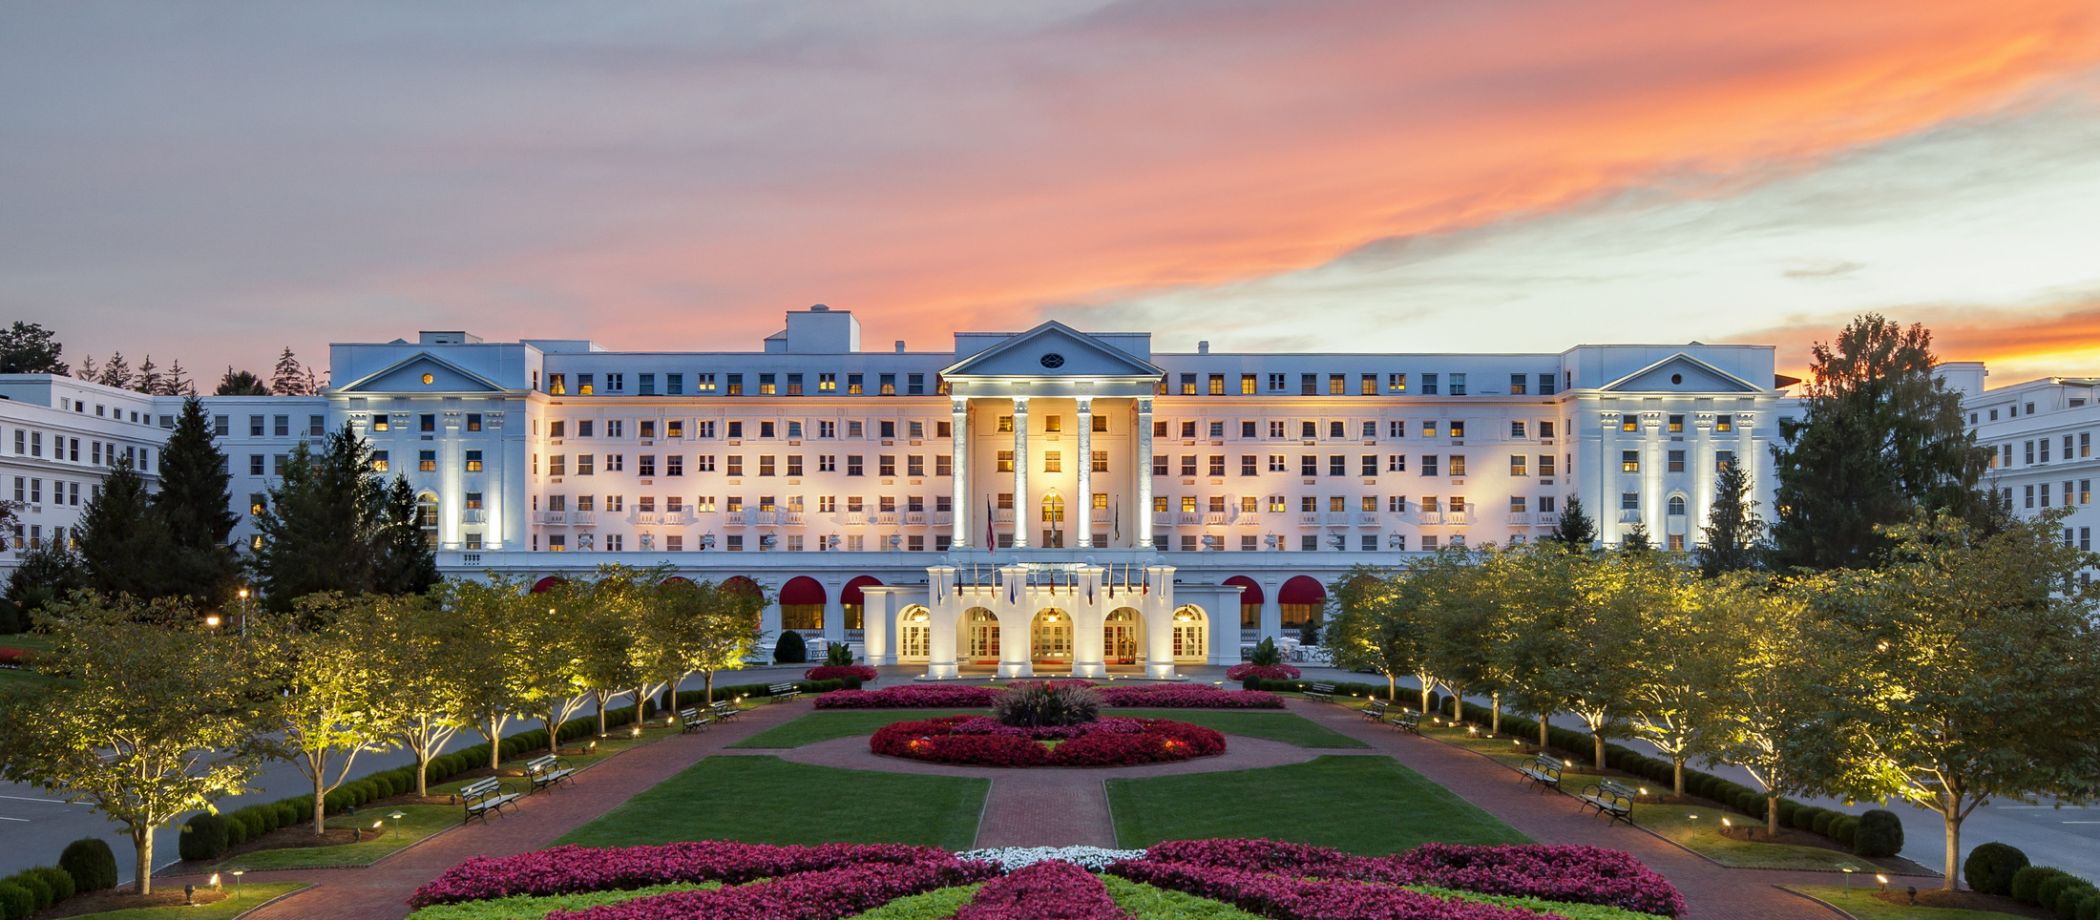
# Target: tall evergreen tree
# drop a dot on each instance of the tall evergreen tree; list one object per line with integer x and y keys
{"x": 116, "y": 372}
{"x": 48, "y": 572}
{"x": 290, "y": 377}
{"x": 1636, "y": 539}
{"x": 87, "y": 370}
{"x": 149, "y": 379}
{"x": 1575, "y": 531}
{"x": 195, "y": 494}
{"x": 29, "y": 348}
{"x": 1734, "y": 533}
{"x": 124, "y": 546}
{"x": 1882, "y": 440}
{"x": 178, "y": 382}
{"x": 240, "y": 383}
{"x": 320, "y": 523}
{"x": 402, "y": 559}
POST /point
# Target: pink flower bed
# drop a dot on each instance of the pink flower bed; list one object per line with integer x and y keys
{"x": 1184, "y": 696}
{"x": 1045, "y": 889}
{"x": 858, "y": 672}
{"x": 978, "y": 741}
{"x": 1245, "y": 670}
{"x": 572, "y": 869}
{"x": 15, "y": 657}
{"x": 824, "y": 895}
{"x": 929, "y": 696}
{"x": 1578, "y": 874}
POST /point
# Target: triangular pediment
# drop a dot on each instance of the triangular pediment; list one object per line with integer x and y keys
{"x": 406, "y": 376}
{"x": 1052, "y": 349}
{"x": 1681, "y": 373}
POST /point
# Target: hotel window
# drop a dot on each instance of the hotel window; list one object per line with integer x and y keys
{"x": 281, "y": 425}
{"x": 1629, "y": 501}
{"x": 473, "y": 461}
{"x": 1429, "y": 429}
{"x": 1217, "y": 384}
{"x": 1629, "y": 423}
{"x": 1188, "y": 504}
{"x": 674, "y": 465}
{"x": 1369, "y": 464}
{"x": 1053, "y": 424}
{"x": 557, "y": 384}
{"x": 887, "y": 428}
{"x": 1396, "y": 383}
{"x": 1188, "y": 465}
{"x": 1629, "y": 461}
{"x": 703, "y": 383}
{"x": 646, "y": 428}
{"x": 1516, "y": 384}
{"x": 1006, "y": 461}
{"x": 1217, "y": 464}
{"x": 1309, "y": 465}
{"x": 645, "y": 465}
{"x": 886, "y": 464}
{"x": 379, "y": 463}
{"x": 426, "y": 461}
{"x": 765, "y": 385}
{"x": 674, "y": 384}
{"x": 557, "y": 429}
{"x": 1724, "y": 423}
{"x": 1308, "y": 384}
{"x": 1545, "y": 384}
{"x": 1396, "y": 504}
{"x": 916, "y": 384}
{"x": 1249, "y": 465}
{"x": 219, "y": 428}
{"x": 1516, "y": 430}
{"x": 1723, "y": 459}
{"x": 1100, "y": 423}
{"x": 1516, "y": 504}
{"x": 1336, "y": 430}
{"x": 1337, "y": 385}
{"x": 1545, "y": 429}
{"x": 1428, "y": 464}
{"x": 1276, "y": 383}
{"x": 916, "y": 428}
{"x": 855, "y": 465}
{"x": 1396, "y": 429}
{"x": 1247, "y": 385}
{"x": 942, "y": 466}
{"x": 1337, "y": 465}
{"x": 1458, "y": 384}
{"x": 1277, "y": 463}
{"x": 1005, "y": 425}
{"x": 615, "y": 382}
{"x": 1676, "y": 461}
{"x": 1370, "y": 430}
{"x": 1277, "y": 505}
{"x": 1368, "y": 385}
{"x": 915, "y": 465}
{"x": 583, "y": 385}
{"x": 1188, "y": 384}
{"x": 735, "y": 387}
{"x": 674, "y": 428}
{"x": 1458, "y": 430}
{"x": 1516, "y": 465}
{"x": 1188, "y": 429}
{"x": 1396, "y": 463}
{"x": 645, "y": 384}
{"x": 887, "y": 385}
{"x": 854, "y": 429}
{"x": 854, "y": 384}
{"x": 1458, "y": 464}
{"x": 1676, "y": 424}
{"x": 473, "y": 421}
{"x": 704, "y": 463}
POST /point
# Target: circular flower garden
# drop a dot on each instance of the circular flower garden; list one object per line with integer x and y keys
{"x": 1046, "y": 725}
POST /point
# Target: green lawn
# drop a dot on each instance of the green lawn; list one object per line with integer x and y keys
{"x": 1275, "y": 726}
{"x": 841, "y": 723}
{"x": 1860, "y": 902}
{"x": 417, "y": 823}
{"x": 1360, "y": 804}
{"x": 1147, "y": 902}
{"x": 524, "y": 906}
{"x": 937, "y": 904}
{"x": 22, "y": 677}
{"x": 252, "y": 896}
{"x": 769, "y": 800}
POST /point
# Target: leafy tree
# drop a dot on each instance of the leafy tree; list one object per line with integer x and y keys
{"x": 1978, "y": 672}
{"x": 1734, "y": 535}
{"x": 1614, "y": 597}
{"x": 1777, "y": 719}
{"x": 707, "y": 627}
{"x": 124, "y": 546}
{"x": 47, "y": 573}
{"x": 480, "y": 678}
{"x": 1538, "y": 586}
{"x": 153, "y": 718}
{"x": 1881, "y": 439}
{"x": 116, "y": 372}
{"x": 319, "y": 524}
{"x": 1635, "y": 539}
{"x": 291, "y": 378}
{"x": 195, "y": 492}
{"x": 29, "y": 348}
{"x": 1575, "y": 530}
{"x": 149, "y": 379}
{"x": 402, "y": 559}
{"x": 1376, "y": 624}
{"x": 326, "y": 708}
{"x": 545, "y": 646}
{"x": 1465, "y": 625}
{"x": 418, "y": 649}
{"x": 1696, "y": 640}
{"x": 240, "y": 383}
{"x": 617, "y": 655}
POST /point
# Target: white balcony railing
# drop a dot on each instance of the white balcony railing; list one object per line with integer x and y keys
{"x": 1429, "y": 517}
{"x": 791, "y": 518}
{"x": 584, "y": 518}
{"x": 1163, "y": 518}
{"x": 646, "y": 517}
{"x": 1214, "y": 518}
{"x": 855, "y": 518}
{"x": 1367, "y": 519}
{"x": 681, "y": 516}
{"x": 736, "y": 518}
{"x": 915, "y": 518}
{"x": 1190, "y": 517}
{"x": 1519, "y": 517}
{"x": 885, "y": 518}
{"x": 1547, "y": 520}
{"x": 473, "y": 516}
{"x": 943, "y": 518}
{"x": 1310, "y": 518}
{"x": 1003, "y": 515}
{"x": 550, "y": 517}
{"x": 1458, "y": 517}
{"x": 767, "y": 518}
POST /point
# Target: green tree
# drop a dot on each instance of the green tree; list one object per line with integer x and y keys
{"x": 153, "y": 717}
{"x": 545, "y": 648}
{"x": 488, "y": 690}
{"x": 1778, "y": 720}
{"x": 1538, "y": 588}
{"x": 291, "y": 378}
{"x": 320, "y": 524}
{"x": 707, "y": 627}
{"x": 124, "y": 546}
{"x": 418, "y": 648}
{"x": 240, "y": 383}
{"x": 1636, "y": 539}
{"x": 403, "y": 562}
{"x": 178, "y": 382}
{"x": 116, "y": 372}
{"x": 1881, "y": 439}
{"x": 1615, "y": 596}
{"x": 29, "y": 348}
{"x": 1978, "y": 667}
{"x": 1574, "y": 529}
{"x": 192, "y": 504}
{"x": 46, "y": 574}
{"x": 1375, "y": 623}
{"x": 1695, "y": 641}
{"x": 326, "y": 710}
{"x": 1464, "y": 626}
{"x": 618, "y": 656}
{"x": 1734, "y": 534}
{"x": 149, "y": 379}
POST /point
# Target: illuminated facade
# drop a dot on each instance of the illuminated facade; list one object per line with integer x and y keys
{"x": 1046, "y": 501}
{"x": 2040, "y": 437}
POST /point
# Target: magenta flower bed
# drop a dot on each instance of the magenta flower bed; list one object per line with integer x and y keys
{"x": 823, "y": 895}
{"x": 1578, "y": 874}
{"x": 1176, "y": 696}
{"x": 936, "y": 696}
{"x": 858, "y": 672}
{"x": 1045, "y": 889}
{"x": 1245, "y": 670}
{"x": 978, "y": 741}
{"x": 572, "y": 869}
{"x": 15, "y": 657}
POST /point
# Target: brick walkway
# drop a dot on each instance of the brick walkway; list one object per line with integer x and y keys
{"x": 1036, "y": 807}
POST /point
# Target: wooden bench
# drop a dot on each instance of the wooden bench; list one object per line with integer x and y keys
{"x": 1544, "y": 772}
{"x": 546, "y": 771}
{"x": 725, "y": 710}
{"x": 1609, "y": 797}
{"x": 1407, "y": 721}
{"x": 483, "y": 796}
{"x": 690, "y": 721}
{"x": 1322, "y": 692}
{"x": 783, "y": 693}
{"x": 1374, "y": 710}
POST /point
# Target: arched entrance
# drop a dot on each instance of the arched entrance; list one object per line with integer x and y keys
{"x": 1050, "y": 638}
{"x": 1250, "y": 601}
{"x": 1191, "y": 635}
{"x": 1302, "y": 599}
{"x": 1123, "y": 637}
{"x": 853, "y": 604}
{"x": 914, "y": 634}
{"x": 802, "y": 604}
{"x": 980, "y": 637}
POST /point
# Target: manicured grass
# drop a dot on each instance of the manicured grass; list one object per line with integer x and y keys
{"x": 937, "y": 904}
{"x": 1540, "y": 905}
{"x": 252, "y": 896}
{"x": 525, "y": 906}
{"x": 841, "y": 723}
{"x": 1361, "y": 804}
{"x": 769, "y": 800}
{"x": 417, "y": 823}
{"x": 1274, "y": 726}
{"x": 1860, "y": 902}
{"x": 1147, "y": 902}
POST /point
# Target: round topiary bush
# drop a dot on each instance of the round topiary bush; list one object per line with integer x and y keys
{"x": 90, "y": 863}
{"x": 62, "y": 886}
{"x": 1880, "y": 834}
{"x": 1824, "y": 818}
{"x": 2027, "y": 880}
{"x": 287, "y": 813}
{"x": 16, "y": 902}
{"x": 1990, "y": 867}
{"x": 2071, "y": 896}
{"x": 2045, "y": 893}
{"x": 39, "y": 890}
{"x": 203, "y": 837}
{"x": 1845, "y": 830}
{"x": 790, "y": 649}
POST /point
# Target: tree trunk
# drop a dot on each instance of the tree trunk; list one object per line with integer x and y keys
{"x": 1495, "y": 713}
{"x": 602, "y": 697}
{"x": 142, "y": 844}
{"x": 1458, "y": 705}
{"x": 1677, "y": 775}
{"x": 1598, "y": 737}
{"x": 1425, "y": 697}
{"x": 494, "y": 734}
{"x": 320, "y": 807}
{"x": 709, "y": 677}
{"x": 641, "y": 702}
{"x": 553, "y": 745}
{"x": 1542, "y": 731}
{"x": 1951, "y": 880}
{"x": 1772, "y": 816}
{"x": 422, "y": 771}
{"x": 1392, "y": 688}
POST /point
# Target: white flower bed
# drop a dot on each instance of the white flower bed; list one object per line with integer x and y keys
{"x": 1092, "y": 859}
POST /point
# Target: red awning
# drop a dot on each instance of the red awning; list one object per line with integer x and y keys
{"x": 850, "y": 594}
{"x": 1252, "y": 590}
{"x": 546, "y": 583}
{"x": 802, "y": 589}
{"x": 1303, "y": 589}
{"x": 741, "y": 585}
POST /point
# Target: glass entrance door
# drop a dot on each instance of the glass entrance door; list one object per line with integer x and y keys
{"x": 1052, "y": 638}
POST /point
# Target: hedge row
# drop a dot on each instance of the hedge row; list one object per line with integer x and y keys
{"x": 2067, "y": 896}
{"x": 755, "y": 692}
{"x": 87, "y": 865}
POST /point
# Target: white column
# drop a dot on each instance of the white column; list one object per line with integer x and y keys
{"x": 835, "y": 614}
{"x": 1086, "y": 472}
{"x": 1144, "y": 472}
{"x": 959, "y": 468}
{"x": 1021, "y": 505}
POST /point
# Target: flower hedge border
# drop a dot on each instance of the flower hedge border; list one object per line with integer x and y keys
{"x": 976, "y": 696}
{"x": 982, "y": 742}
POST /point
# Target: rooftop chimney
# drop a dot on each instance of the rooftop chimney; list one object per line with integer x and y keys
{"x": 1203, "y": 347}
{"x": 900, "y": 346}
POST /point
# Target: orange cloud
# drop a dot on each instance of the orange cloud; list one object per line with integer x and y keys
{"x": 2016, "y": 343}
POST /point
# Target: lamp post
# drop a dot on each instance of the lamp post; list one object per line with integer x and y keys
{"x": 237, "y": 872}
{"x": 243, "y": 594}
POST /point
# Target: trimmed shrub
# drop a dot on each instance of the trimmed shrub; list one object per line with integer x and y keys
{"x": 90, "y": 863}
{"x": 1880, "y": 834}
{"x": 790, "y": 649}
{"x": 2071, "y": 896}
{"x": 16, "y": 902}
{"x": 1823, "y": 819}
{"x": 1990, "y": 867}
{"x": 39, "y": 890}
{"x": 1845, "y": 830}
{"x": 287, "y": 813}
{"x": 203, "y": 837}
{"x": 62, "y": 886}
{"x": 2089, "y": 909}
{"x": 2045, "y": 892}
{"x": 2027, "y": 880}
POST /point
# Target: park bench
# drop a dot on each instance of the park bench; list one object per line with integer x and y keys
{"x": 1322, "y": 692}
{"x": 546, "y": 771}
{"x": 783, "y": 693}
{"x": 1407, "y": 721}
{"x": 1374, "y": 710}
{"x": 1543, "y": 771}
{"x": 725, "y": 710}
{"x": 690, "y": 721}
{"x": 1609, "y": 797}
{"x": 483, "y": 796}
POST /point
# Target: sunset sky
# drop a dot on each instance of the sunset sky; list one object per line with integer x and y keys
{"x": 211, "y": 182}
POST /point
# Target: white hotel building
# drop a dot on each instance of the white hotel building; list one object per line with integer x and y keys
{"x": 1049, "y": 501}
